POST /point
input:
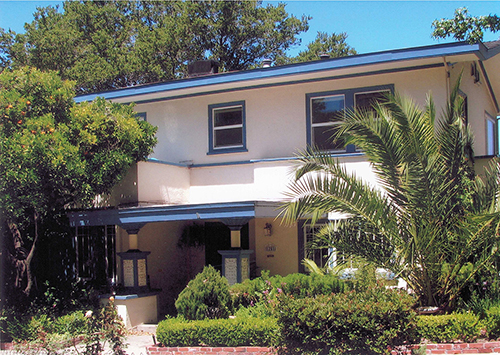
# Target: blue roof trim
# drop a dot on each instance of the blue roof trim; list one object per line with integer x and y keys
{"x": 292, "y": 82}
{"x": 251, "y": 161}
{"x": 292, "y": 69}
{"x": 134, "y": 216}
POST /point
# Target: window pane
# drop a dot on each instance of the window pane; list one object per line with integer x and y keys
{"x": 228, "y": 137}
{"x": 327, "y": 109}
{"x": 228, "y": 117}
{"x": 322, "y": 138}
{"x": 490, "y": 137}
{"x": 365, "y": 101}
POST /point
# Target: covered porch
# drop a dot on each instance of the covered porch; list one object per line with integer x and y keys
{"x": 239, "y": 228}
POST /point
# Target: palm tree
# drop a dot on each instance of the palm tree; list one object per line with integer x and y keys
{"x": 432, "y": 219}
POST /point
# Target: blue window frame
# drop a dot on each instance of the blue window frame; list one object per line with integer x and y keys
{"x": 491, "y": 135}
{"x": 325, "y": 111}
{"x": 227, "y": 128}
{"x": 142, "y": 116}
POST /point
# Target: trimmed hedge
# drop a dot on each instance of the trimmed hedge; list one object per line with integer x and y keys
{"x": 176, "y": 332}
{"x": 360, "y": 322}
{"x": 449, "y": 327}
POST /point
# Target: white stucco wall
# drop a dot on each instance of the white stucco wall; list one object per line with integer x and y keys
{"x": 479, "y": 103}
{"x": 275, "y": 116}
{"x": 163, "y": 184}
{"x": 275, "y": 130}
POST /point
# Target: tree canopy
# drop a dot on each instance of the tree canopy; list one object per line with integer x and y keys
{"x": 433, "y": 220}
{"x": 464, "y": 27}
{"x": 55, "y": 153}
{"x": 111, "y": 44}
{"x": 333, "y": 45}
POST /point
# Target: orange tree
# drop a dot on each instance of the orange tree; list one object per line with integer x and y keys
{"x": 55, "y": 153}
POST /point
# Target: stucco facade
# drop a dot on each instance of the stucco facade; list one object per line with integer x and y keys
{"x": 241, "y": 186}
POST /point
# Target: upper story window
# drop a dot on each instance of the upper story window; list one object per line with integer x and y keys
{"x": 142, "y": 116}
{"x": 227, "y": 127}
{"x": 325, "y": 110}
{"x": 365, "y": 101}
{"x": 491, "y": 135}
{"x": 326, "y": 113}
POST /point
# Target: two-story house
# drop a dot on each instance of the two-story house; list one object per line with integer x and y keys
{"x": 226, "y": 147}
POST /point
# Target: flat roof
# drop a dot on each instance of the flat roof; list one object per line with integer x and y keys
{"x": 391, "y": 56}
{"x": 134, "y": 218}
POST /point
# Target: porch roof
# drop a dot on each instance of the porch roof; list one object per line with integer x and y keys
{"x": 133, "y": 218}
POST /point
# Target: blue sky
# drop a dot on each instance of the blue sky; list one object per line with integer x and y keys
{"x": 371, "y": 25}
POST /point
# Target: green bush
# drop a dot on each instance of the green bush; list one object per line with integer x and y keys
{"x": 73, "y": 324}
{"x": 240, "y": 331}
{"x": 449, "y": 328}
{"x": 28, "y": 328}
{"x": 367, "y": 322}
{"x": 48, "y": 334}
{"x": 206, "y": 296}
{"x": 492, "y": 322}
{"x": 251, "y": 292}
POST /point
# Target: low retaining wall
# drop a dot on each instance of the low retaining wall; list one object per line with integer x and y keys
{"x": 460, "y": 348}
{"x": 464, "y": 348}
{"x": 202, "y": 350}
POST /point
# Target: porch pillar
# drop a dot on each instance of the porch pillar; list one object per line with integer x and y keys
{"x": 133, "y": 242}
{"x": 235, "y": 238}
{"x": 134, "y": 263}
{"x": 235, "y": 262}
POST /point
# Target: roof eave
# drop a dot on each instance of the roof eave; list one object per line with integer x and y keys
{"x": 392, "y": 56}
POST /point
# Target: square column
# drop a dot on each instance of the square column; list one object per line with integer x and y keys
{"x": 235, "y": 265}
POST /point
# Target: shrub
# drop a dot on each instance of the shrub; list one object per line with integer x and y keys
{"x": 23, "y": 328}
{"x": 206, "y": 296}
{"x": 367, "y": 322}
{"x": 46, "y": 334}
{"x": 251, "y": 292}
{"x": 492, "y": 322}
{"x": 72, "y": 324}
{"x": 240, "y": 331}
{"x": 449, "y": 328}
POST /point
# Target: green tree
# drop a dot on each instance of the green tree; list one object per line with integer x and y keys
{"x": 333, "y": 45}
{"x": 239, "y": 34}
{"x": 104, "y": 45}
{"x": 55, "y": 154}
{"x": 464, "y": 27}
{"x": 432, "y": 220}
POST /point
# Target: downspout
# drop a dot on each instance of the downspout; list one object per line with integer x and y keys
{"x": 447, "y": 71}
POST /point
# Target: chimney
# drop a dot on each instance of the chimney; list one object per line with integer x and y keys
{"x": 266, "y": 63}
{"x": 202, "y": 67}
{"x": 324, "y": 56}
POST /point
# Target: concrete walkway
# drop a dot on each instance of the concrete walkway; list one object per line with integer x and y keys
{"x": 136, "y": 344}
